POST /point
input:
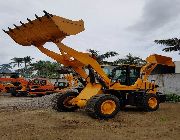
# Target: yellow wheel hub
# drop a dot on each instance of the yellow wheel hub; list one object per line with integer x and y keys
{"x": 152, "y": 102}
{"x": 108, "y": 107}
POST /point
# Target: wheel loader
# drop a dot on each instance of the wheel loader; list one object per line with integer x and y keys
{"x": 102, "y": 97}
{"x": 67, "y": 80}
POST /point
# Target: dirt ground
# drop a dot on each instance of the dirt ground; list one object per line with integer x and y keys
{"x": 46, "y": 124}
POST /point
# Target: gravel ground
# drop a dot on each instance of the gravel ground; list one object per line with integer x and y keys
{"x": 28, "y": 103}
{"x": 33, "y": 119}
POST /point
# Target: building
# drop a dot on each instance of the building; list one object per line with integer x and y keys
{"x": 168, "y": 79}
{"x": 177, "y": 67}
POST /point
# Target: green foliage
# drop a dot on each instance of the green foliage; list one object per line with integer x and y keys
{"x": 5, "y": 68}
{"x": 27, "y": 60}
{"x": 101, "y": 57}
{"x": 173, "y": 44}
{"x": 45, "y": 69}
{"x": 48, "y": 69}
{"x": 172, "y": 98}
{"x": 163, "y": 119}
{"x": 131, "y": 60}
{"x": 17, "y": 61}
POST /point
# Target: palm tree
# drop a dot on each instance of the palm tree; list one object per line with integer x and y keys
{"x": 173, "y": 44}
{"x": 131, "y": 60}
{"x": 101, "y": 57}
{"x": 17, "y": 61}
{"x": 27, "y": 60}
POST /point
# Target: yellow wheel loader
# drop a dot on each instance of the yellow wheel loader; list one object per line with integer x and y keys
{"x": 102, "y": 97}
{"x": 67, "y": 81}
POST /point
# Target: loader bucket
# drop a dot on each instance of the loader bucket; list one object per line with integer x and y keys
{"x": 47, "y": 28}
{"x": 159, "y": 59}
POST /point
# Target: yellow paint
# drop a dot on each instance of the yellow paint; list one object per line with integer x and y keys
{"x": 108, "y": 107}
{"x": 89, "y": 91}
{"x": 152, "y": 102}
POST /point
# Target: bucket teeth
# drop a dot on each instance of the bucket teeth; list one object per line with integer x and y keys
{"x": 22, "y": 23}
{"x": 5, "y": 31}
{"x": 47, "y": 14}
{"x": 42, "y": 29}
{"x": 38, "y": 17}
{"x": 29, "y": 21}
{"x": 10, "y": 30}
{"x": 16, "y": 26}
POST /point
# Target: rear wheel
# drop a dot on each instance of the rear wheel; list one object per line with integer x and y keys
{"x": 150, "y": 102}
{"x": 22, "y": 94}
{"x": 39, "y": 95}
{"x": 49, "y": 92}
{"x": 103, "y": 106}
{"x": 13, "y": 91}
{"x": 62, "y": 102}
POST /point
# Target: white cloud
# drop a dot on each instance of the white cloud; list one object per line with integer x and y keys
{"x": 106, "y": 23}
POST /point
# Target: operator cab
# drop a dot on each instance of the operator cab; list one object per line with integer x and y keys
{"x": 38, "y": 81}
{"x": 125, "y": 74}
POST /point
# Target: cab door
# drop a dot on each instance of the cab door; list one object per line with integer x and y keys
{"x": 134, "y": 74}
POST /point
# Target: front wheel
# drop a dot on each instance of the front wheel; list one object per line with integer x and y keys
{"x": 62, "y": 102}
{"x": 103, "y": 106}
{"x": 150, "y": 102}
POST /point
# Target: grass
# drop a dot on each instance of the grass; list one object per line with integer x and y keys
{"x": 172, "y": 98}
{"x": 163, "y": 119}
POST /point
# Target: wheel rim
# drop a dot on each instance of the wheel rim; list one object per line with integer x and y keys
{"x": 108, "y": 107}
{"x": 152, "y": 102}
{"x": 66, "y": 102}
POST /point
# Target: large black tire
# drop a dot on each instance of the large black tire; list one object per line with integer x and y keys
{"x": 49, "y": 92}
{"x": 147, "y": 106}
{"x": 22, "y": 94}
{"x": 12, "y": 91}
{"x": 94, "y": 106}
{"x": 162, "y": 97}
{"x": 39, "y": 95}
{"x": 61, "y": 102}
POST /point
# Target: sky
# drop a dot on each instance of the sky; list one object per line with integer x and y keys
{"x": 124, "y": 26}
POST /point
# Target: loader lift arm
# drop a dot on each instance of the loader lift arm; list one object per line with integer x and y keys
{"x": 80, "y": 61}
{"x": 51, "y": 28}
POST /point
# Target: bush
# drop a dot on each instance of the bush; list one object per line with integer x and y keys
{"x": 172, "y": 98}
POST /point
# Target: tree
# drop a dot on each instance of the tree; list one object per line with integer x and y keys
{"x": 45, "y": 68}
{"x": 101, "y": 57}
{"x": 17, "y": 61}
{"x": 27, "y": 60}
{"x": 131, "y": 60}
{"x": 5, "y": 68}
{"x": 173, "y": 44}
